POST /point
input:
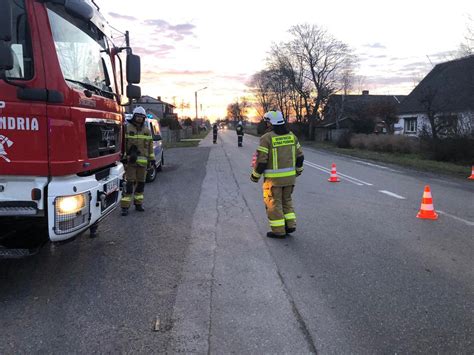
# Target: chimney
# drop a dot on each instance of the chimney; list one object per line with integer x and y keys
{"x": 365, "y": 92}
{"x": 159, "y": 98}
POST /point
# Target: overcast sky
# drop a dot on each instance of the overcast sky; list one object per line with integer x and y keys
{"x": 186, "y": 45}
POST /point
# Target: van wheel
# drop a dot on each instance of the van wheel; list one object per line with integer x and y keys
{"x": 151, "y": 174}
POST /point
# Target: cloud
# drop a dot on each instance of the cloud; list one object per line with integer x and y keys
{"x": 187, "y": 72}
{"x": 122, "y": 17}
{"x": 160, "y": 51}
{"x": 175, "y": 32}
{"x": 375, "y": 45}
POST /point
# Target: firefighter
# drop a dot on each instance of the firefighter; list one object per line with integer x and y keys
{"x": 214, "y": 133}
{"x": 280, "y": 160}
{"x": 138, "y": 157}
{"x": 240, "y": 133}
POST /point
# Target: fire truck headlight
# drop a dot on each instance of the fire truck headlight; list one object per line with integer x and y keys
{"x": 71, "y": 213}
{"x": 70, "y": 204}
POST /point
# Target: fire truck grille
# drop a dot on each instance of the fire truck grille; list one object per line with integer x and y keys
{"x": 103, "y": 138}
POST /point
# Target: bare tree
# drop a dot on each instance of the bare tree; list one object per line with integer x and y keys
{"x": 262, "y": 90}
{"x": 467, "y": 47}
{"x": 292, "y": 68}
{"x": 237, "y": 111}
{"x": 325, "y": 60}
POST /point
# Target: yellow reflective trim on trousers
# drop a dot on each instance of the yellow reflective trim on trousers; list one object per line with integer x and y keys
{"x": 290, "y": 216}
{"x": 139, "y": 197}
{"x": 277, "y": 223}
{"x": 262, "y": 149}
{"x": 138, "y": 136}
{"x": 298, "y": 145}
{"x": 254, "y": 172}
{"x": 126, "y": 198}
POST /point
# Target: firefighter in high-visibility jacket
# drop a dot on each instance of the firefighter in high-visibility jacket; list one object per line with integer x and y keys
{"x": 279, "y": 160}
{"x": 138, "y": 156}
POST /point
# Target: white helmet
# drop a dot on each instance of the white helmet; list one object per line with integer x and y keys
{"x": 240, "y": 123}
{"x": 274, "y": 117}
{"x": 140, "y": 111}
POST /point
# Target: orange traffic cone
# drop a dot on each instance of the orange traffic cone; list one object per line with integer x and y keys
{"x": 427, "y": 209}
{"x": 254, "y": 160}
{"x": 333, "y": 177}
{"x": 472, "y": 174}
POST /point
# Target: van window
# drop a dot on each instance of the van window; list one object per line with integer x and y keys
{"x": 155, "y": 130}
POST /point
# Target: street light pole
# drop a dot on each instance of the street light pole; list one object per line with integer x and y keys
{"x": 196, "y": 100}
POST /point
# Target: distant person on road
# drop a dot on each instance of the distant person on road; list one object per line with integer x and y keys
{"x": 280, "y": 160}
{"x": 240, "y": 133}
{"x": 214, "y": 133}
{"x": 138, "y": 156}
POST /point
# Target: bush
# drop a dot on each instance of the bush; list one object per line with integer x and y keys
{"x": 188, "y": 122}
{"x": 460, "y": 149}
{"x": 385, "y": 143}
{"x": 344, "y": 140}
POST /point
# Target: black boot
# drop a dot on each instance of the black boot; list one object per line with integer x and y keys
{"x": 273, "y": 235}
{"x": 124, "y": 211}
{"x": 139, "y": 208}
{"x": 290, "y": 230}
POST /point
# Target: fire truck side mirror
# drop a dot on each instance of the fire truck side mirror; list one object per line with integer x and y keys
{"x": 134, "y": 92}
{"x": 133, "y": 69}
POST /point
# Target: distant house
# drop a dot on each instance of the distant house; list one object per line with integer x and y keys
{"x": 158, "y": 108}
{"x": 367, "y": 113}
{"x": 447, "y": 95}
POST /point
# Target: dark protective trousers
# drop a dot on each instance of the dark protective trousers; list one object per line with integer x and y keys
{"x": 239, "y": 140}
{"x": 214, "y": 138}
{"x": 279, "y": 206}
{"x": 136, "y": 177}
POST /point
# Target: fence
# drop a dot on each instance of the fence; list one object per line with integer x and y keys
{"x": 171, "y": 136}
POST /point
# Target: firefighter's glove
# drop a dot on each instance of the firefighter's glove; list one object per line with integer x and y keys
{"x": 299, "y": 171}
{"x": 254, "y": 177}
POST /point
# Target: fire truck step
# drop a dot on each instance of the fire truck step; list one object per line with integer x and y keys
{"x": 6, "y": 253}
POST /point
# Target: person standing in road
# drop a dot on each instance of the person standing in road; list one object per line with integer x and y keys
{"x": 138, "y": 156}
{"x": 240, "y": 133}
{"x": 214, "y": 133}
{"x": 280, "y": 160}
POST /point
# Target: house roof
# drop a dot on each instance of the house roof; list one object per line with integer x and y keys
{"x": 354, "y": 105}
{"x": 448, "y": 87}
{"x": 145, "y": 99}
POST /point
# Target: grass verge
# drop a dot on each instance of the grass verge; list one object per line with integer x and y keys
{"x": 413, "y": 161}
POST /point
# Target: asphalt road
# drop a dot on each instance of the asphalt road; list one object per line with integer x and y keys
{"x": 361, "y": 275}
{"x": 106, "y": 294}
{"x": 364, "y": 274}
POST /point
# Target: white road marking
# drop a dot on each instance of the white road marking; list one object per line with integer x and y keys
{"x": 342, "y": 176}
{"x": 392, "y": 194}
{"x": 375, "y": 165}
{"x": 456, "y": 218}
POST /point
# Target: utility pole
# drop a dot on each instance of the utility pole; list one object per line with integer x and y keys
{"x": 196, "y": 100}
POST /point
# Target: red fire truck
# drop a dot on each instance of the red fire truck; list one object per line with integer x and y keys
{"x": 61, "y": 115}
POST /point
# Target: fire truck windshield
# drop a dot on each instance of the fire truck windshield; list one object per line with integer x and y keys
{"x": 83, "y": 54}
